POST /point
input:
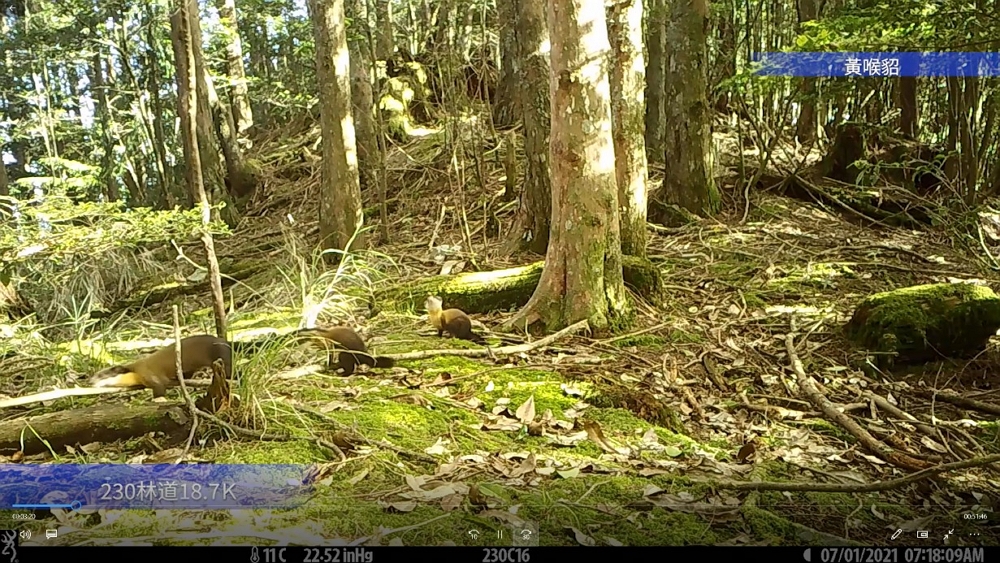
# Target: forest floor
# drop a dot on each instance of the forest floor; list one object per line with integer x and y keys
{"x": 637, "y": 443}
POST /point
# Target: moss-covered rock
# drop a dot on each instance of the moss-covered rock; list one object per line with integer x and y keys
{"x": 924, "y": 322}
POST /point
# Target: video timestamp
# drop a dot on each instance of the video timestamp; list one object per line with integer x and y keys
{"x": 901, "y": 555}
{"x": 168, "y": 491}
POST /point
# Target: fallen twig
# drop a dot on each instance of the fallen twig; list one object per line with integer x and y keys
{"x": 809, "y": 389}
{"x": 188, "y": 400}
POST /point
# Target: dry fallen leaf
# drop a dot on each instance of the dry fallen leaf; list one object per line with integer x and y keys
{"x": 582, "y": 538}
{"x": 526, "y": 412}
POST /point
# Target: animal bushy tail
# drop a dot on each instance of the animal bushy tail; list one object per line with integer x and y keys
{"x": 383, "y": 362}
{"x": 380, "y": 362}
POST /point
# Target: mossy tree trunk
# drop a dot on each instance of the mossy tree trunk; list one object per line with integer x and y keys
{"x": 656, "y": 45}
{"x": 531, "y": 34}
{"x": 582, "y": 278}
{"x": 688, "y": 180}
{"x": 628, "y": 79}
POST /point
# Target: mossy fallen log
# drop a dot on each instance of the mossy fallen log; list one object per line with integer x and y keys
{"x": 501, "y": 290}
{"x": 925, "y": 322}
{"x": 103, "y": 423}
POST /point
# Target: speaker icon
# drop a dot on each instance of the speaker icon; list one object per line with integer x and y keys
{"x": 474, "y": 534}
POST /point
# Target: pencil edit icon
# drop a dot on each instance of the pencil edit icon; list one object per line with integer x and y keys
{"x": 896, "y": 534}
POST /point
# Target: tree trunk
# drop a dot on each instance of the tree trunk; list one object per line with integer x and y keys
{"x": 582, "y": 278}
{"x": 805, "y": 127}
{"x": 362, "y": 97}
{"x": 628, "y": 80}
{"x": 656, "y": 86}
{"x": 906, "y": 100}
{"x": 340, "y": 212}
{"x": 688, "y": 180}
{"x": 217, "y": 128}
{"x": 508, "y": 85}
{"x": 532, "y": 225}
{"x": 159, "y": 137}
{"x": 211, "y": 171}
{"x": 385, "y": 46}
{"x": 239, "y": 97}
{"x": 103, "y": 111}
{"x": 6, "y": 202}
{"x": 185, "y": 28}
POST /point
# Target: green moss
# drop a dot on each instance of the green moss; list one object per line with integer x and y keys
{"x": 919, "y": 323}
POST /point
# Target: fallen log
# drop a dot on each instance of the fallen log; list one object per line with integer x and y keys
{"x": 102, "y": 423}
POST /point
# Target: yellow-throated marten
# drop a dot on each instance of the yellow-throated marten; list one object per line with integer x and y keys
{"x": 158, "y": 370}
{"x": 453, "y": 321}
{"x": 348, "y": 349}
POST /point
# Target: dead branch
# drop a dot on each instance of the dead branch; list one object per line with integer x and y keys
{"x": 77, "y": 392}
{"x": 809, "y": 389}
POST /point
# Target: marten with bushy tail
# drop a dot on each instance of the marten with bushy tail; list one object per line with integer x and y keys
{"x": 158, "y": 370}
{"x": 348, "y": 351}
{"x": 453, "y": 321}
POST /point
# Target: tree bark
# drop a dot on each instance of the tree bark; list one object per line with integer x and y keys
{"x": 103, "y": 111}
{"x": 362, "y": 97}
{"x": 805, "y": 127}
{"x": 628, "y": 80}
{"x": 688, "y": 180}
{"x": 582, "y": 278}
{"x": 656, "y": 87}
{"x": 212, "y": 175}
{"x": 508, "y": 85}
{"x": 159, "y": 137}
{"x": 340, "y": 212}
{"x": 385, "y": 46}
{"x": 239, "y": 95}
{"x": 532, "y": 223}
{"x": 906, "y": 100}
{"x": 6, "y": 202}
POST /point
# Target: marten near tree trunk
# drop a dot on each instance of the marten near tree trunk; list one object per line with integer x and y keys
{"x": 453, "y": 321}
{"x": 348, "y": 351}
{"x": 158, "y": 370}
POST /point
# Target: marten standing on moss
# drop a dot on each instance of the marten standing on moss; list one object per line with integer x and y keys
{"x": 349, "y": 349}
{"x": 158, "y": 370}
{"x": 453, "y": 321}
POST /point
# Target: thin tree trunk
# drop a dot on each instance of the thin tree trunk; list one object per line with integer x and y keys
{"x": 688, "y": 180}
{"x": 362, "y": 97}
{"x": 805, "y": 127}
{"x": 108, "y": 159}
{"x": 192, "y": 155}
{"x": 385, "y": 46}
{"x": 532, "y": 225}
{"x": 656, "y": 86}
{"x": 159, "y": 137}
{"x": 340, "y": 211}
{"x": 628, "y": 120}
{"x": 508, "y": 85}
{"x": 239, "y": 96}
